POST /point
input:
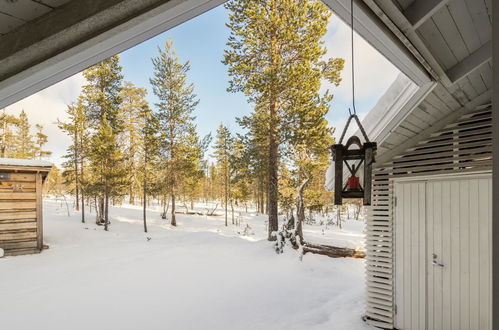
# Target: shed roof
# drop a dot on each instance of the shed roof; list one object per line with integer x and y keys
{"x": 15, "y": 162}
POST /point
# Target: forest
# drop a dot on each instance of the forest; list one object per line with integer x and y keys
{"x": 126, "y": 149}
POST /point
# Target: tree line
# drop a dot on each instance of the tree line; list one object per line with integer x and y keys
{"x": 17, "y": 139}
{"x": 124, "y": 149}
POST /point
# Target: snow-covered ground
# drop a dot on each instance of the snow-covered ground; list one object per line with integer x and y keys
{"x": 200, "y": 275}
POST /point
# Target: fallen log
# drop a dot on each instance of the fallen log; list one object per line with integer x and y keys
{"x": 332, "y": 251}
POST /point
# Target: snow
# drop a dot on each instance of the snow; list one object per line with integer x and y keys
{"x": 199, "y": 275}
{"x": 24, "y": 162}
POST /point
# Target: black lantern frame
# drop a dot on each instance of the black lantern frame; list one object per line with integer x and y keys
{"x": 363, "y": 155}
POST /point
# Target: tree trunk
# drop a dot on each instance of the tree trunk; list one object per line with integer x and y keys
{"x": 99, "y": 207}
{"x": 332, "y": 251}
{"x": 131, "y": 195}
{"x": 82, "y": 208}
{"x": 273, "y": 180}
{"x": 226, "y": 193}
{"x": 174, "y": 221}
{"x": 232, "y": 209}
{"x": 106, "y": 214}
{"x": 291, "y": 220}
{"x": 77, "y": 183}
{"x": 144, "y": 201}
{"x": 300, "y": 210}
{"x": 82, "y": 197}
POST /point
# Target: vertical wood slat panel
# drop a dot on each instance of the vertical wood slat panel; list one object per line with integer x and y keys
{"x": 454, "y": 261}
{"x": 464, "y": 219}
{"x": 430, "y": 191}
{"x": 39, "y": 211}
{"x": 407, "y": 255}
{"x": 410, "y": 255}
{"x": 484, "y": 254}
{"x": 422, "y": 255}
{"x": 399, "y": 253}
{"x": 437, "y": 249}
{"x": 445, "y": 256}
{"x": 474, "y": 298}
{"x": 413, "y": 261}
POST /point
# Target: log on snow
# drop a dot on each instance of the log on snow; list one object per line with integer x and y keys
{"x": 332, "y": 251}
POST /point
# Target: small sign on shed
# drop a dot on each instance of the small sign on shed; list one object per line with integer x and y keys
{"x": 21, "y": 227}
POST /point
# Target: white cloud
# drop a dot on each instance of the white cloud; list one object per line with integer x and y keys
{"x": 373, "y": 72}
{"x": 46, "y": 107}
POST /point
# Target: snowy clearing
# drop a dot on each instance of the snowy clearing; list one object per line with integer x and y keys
{"x": 200, "y": 275}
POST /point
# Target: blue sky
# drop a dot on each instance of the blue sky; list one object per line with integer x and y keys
{"x": 202, "y": 41}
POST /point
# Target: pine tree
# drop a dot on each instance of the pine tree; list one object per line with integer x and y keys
{"x": 107, "y": 161}
{"x": 40, "y": 140}
{"x": 223, "y": 148}
{"x": 176, "y": 104}
{"x": 275, "y": 58}
{"x": 24, "y": 144}
{"x": 8, "y": 126}
{"x": 133, "y": 102}
{"x": 101, "y": 98}
{"x": 192, "y": 169}
{"x": 241, "y": 173}
{"x": 74, "y": 166}
{"x": 149, "y": 152}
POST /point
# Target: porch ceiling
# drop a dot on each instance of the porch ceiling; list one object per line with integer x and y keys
{"x": 452, "y": 41}
{"x": 14, "y": 13}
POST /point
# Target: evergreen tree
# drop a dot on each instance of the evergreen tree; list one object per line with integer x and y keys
{"x": 40, "y": 140}
{"x": 241, "y": 174}
{"x": 8, "y": 126}
{"x": 101, "y": 98}
{"x": 24, "y": 144}
{"x": 107, "y": 161}
{"x": 149, "y": 152}
{"x": 223, "y": 147}
{"x": 192, "y": 169}
{"x": 275, "y": 58}
{"x": 133, "y": 103}
{"x": 73, "y": 174}
{"x": 176, "y": 103}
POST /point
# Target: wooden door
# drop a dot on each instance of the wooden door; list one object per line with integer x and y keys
{"x": 443, "y": 254}
{"x": 459, "y": 218}
{"x": 410, "y": 255}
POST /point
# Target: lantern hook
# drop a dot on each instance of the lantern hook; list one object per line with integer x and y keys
{"x": 354, "y": 116}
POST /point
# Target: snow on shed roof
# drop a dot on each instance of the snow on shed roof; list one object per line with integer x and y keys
{"x": 24, "y": 162}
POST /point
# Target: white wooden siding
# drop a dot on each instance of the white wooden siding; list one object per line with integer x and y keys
{"x": 461, "y": 147}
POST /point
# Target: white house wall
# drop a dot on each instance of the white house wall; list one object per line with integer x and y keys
{"x": 463, "y": 146}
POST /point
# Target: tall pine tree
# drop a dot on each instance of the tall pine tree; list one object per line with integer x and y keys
{"x": 24, "y": 145}
{"x": 133, "y": 103}
{"x": 102, "y": 100}
{"x": 275, "y": 58}
{"x": 223, "y": 153}
{"x": 176, "y": 103}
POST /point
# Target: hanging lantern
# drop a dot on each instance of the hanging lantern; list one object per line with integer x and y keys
{"x": 354, "y": 155}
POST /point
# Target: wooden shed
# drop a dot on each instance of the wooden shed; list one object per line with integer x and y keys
{"x": 21, "y": 215}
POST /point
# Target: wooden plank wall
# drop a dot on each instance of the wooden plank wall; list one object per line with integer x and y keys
{"x": 20, "y": 219}
{"x": 460, "y": 147}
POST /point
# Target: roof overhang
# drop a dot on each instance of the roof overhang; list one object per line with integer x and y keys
{"x": 79, "y": 34}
